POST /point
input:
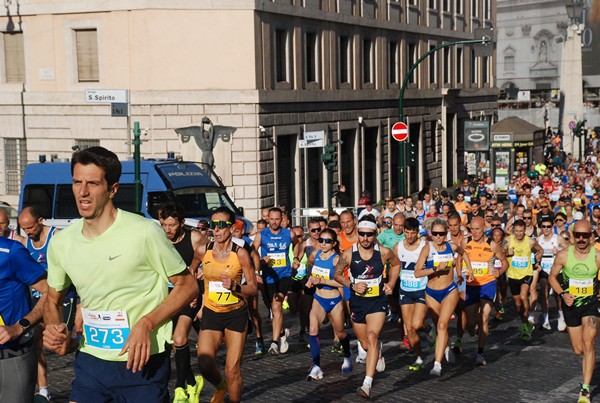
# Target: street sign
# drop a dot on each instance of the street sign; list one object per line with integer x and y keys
{"x": 572, "y": 124}
{"x": 119, "y": 109}
{"x": 400, "y": 131}
{"x": 106, "y": 96}
{"x": 312, "y": 139}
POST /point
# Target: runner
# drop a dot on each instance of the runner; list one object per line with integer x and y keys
{"x": 6, "y": 231}
{"x": 327, "y": 301}
{"x": 436, "y": 261}
{"x": 412, "y": 290}
{"x": 299, "y": 297}
{"x": 552, "y": 244}
{"x": 368, "y": 302}
{"x": 37, "y": 241}
{"x": 273, "y": 243}
{"x": 520, "y": 272}
{"x": 225, "y": 314}
{"x": 120, "y": 263}
{"x": 481, "y": 292}
{"x": 456, "y": 236}
{"x": 18, "y": 272}
{"x": 171, "y": 219}
{"x": 578, "y": 289}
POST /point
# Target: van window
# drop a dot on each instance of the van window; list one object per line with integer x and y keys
{"x": 196, "y": 202}
{"x": 66, "y": 207}
{"x": 40, "y": 196}
{"x": 125, "y": 197}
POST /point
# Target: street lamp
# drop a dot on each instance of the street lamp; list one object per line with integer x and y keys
{"x": 575, "y": 11}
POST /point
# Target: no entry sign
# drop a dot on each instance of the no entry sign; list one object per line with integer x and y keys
{"x": 400, "y": 131}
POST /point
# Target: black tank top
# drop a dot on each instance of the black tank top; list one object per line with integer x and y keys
{"x": 185, "y": 248}
{"x": 367, "y": 270}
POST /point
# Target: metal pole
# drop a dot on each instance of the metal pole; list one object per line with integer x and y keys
{"x": 329, "y": 189}
{"x": 401, "y": 162}
{"x": 136, "y": 158}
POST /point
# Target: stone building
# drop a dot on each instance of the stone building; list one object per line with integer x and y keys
{"x": 262, "y": 72}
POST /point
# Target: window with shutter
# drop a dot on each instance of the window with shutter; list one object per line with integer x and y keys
{"x": 87, "y": 55}
{"x": 14, "y": 57}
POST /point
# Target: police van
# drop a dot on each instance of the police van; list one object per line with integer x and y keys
{"x": 194, "y": 185}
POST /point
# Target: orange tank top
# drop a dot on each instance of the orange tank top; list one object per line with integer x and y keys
{"x": 481, "y": 256}
{"x": 216, "y": 297}
{"x": 346, "y": 244}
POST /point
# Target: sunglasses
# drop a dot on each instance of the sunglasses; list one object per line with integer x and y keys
{"x": 546, "y": 226}
{"x": 326, "y": 240}
{"x": 315, "y": 229}
{"x": 387, "y": 222}
{"x": 367, "y": 234}
{"x": 220, "y": 224}
{"x": 493, "y": 204}
{"x": 400, "y": 200}
{"x": 558, "y": 219}
{"x": 527, "y": 218}
{"x": 584, "y": 235}
{"x": 496, "y": 225}
{"x": 439, "y": 233}
{"x": 202, "y": 229}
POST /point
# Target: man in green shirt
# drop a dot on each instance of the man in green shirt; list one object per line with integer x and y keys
{"x": 121, "y": 264}
{"x": 392, "y": 236}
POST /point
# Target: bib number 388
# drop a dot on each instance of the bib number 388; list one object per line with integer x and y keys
{"x": 106, "y": 330}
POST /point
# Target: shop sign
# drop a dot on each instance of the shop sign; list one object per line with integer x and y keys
{"x": 477, "y": 135}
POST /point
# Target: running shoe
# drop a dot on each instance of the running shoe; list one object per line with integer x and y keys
{"x": 43, "y": 398}
{"x": 381, "y": 361}
{"x": 361, "y": 360}
{"x": 283, "y": 344}
{"x": 562, "y": 326}
{"x": 436, "y": 370}
{"x": 449, "y": 355}
{"x": 180, "y": 396}
{"x": 219, "y": 392}
{"x": 364, "y": 391}
{"x": 274, "y": 349}
{"x": 531, "y": 319}
{"x": 337, "y": 347}
{"x": 546, "y": 325}
{"x": 584, "y": 396}
{"x": 526, "y": 329}
{"x": 457, "y": 346}
{"x": 501, "y": 310}
{"x": 498, "y": 317}
{"x": 347, "y": 366}
{"x": 480, "y": 360}
{"x": 417, "y": 365}
{"x": 285, "y": 305}
{"x": 259, "y": 348}
{"x": 405, "y": 345}
{"x": 380, "y": 364}
{"x": 315, "y": 373}
{"x": 193, "y": 392}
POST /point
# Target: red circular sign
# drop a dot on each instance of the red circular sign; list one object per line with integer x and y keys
{"x": 400, "y": 131}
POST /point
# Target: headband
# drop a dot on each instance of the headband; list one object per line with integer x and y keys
{"x": 367, "y": 225}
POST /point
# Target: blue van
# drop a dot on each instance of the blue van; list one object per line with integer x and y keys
{"x": 194, "y": 185}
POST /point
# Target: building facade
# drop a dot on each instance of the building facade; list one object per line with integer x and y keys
{"x": 262, "y": 73}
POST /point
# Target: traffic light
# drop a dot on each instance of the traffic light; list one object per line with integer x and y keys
{"x": 329, "y": 156}
{"x": 578, "y": 131}
{"x": 412, "y": 155}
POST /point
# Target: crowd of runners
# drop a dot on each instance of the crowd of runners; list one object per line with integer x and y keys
{"x": 126, "y": 295}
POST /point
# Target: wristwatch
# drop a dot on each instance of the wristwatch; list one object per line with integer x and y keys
{"x": 25, "y": 324}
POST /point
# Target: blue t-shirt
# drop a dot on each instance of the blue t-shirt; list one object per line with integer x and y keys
{"x": 18, "y": 271}
{"x": 276, "y": 246}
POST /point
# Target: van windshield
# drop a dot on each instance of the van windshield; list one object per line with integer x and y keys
{"x": 197, "y": 202}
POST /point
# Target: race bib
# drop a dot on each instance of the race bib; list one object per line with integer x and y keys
{"x": 372, "y": 287}
{"x": 581, "y": 288}
{"x": 480, "y": 268}
{"x": 547, "y": 263}
{"x": 320, "y": 272}
{"x": 577, "y": 200}
{"x": 520, "y": 262}
{"x": 277, "y": 260}
{"x": 468, "y": 199}
{"x": 447, "y": 258}
{"x": 408, "y": 281}
{"x": 220, "y": 295}
{"x": 301, "y": 271}
{"x": 106, "y": 330}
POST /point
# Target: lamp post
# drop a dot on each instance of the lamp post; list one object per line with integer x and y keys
{"x": 571, "y": 86}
